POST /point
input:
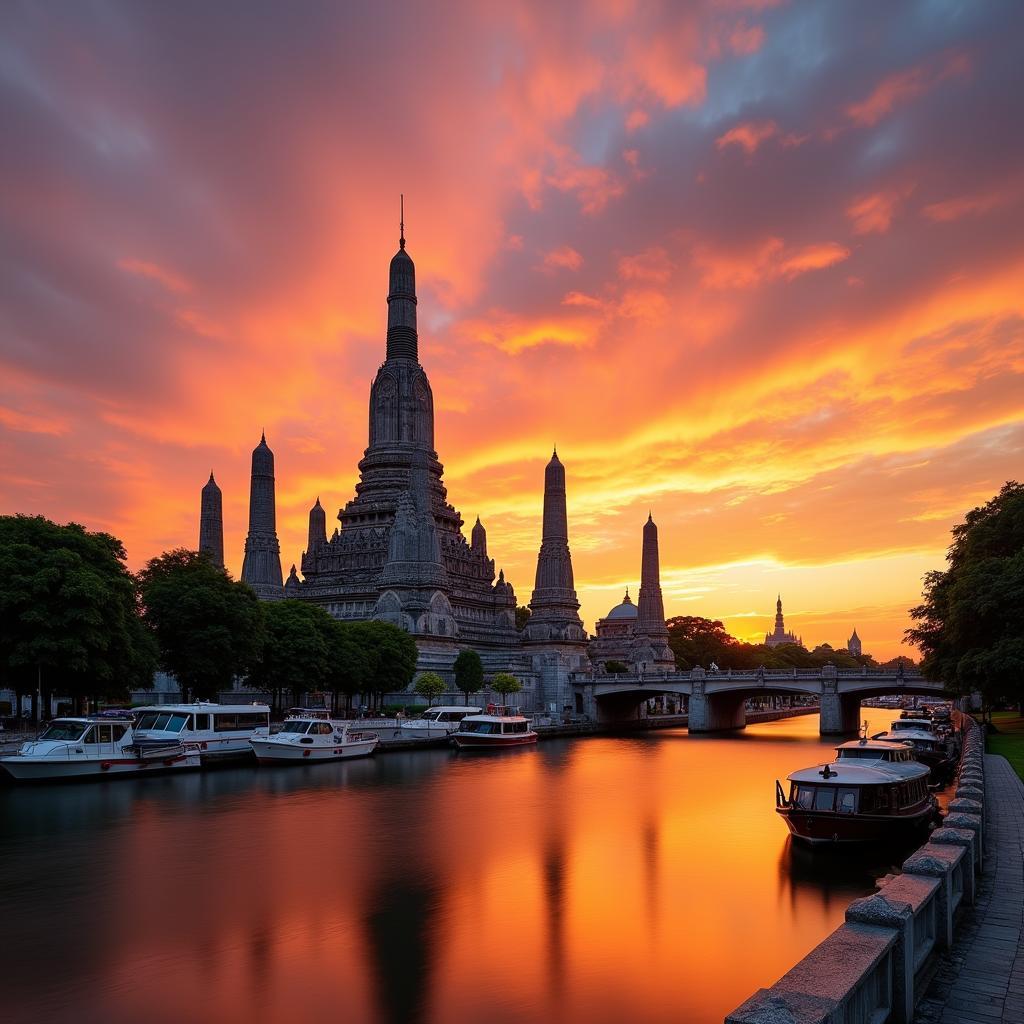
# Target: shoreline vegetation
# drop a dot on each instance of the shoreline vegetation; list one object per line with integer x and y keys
{"x": 1008, "y": 738}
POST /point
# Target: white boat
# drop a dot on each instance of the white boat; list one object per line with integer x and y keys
{"x": 312, "y": 736}
{"x": 501, "y": 727}
{"x": 219, "y": 731}
{"x": 95, "y": 747}
{"x": 437, "y": 722}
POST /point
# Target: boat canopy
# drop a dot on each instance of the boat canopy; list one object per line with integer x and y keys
{"x": 852, "y": 772}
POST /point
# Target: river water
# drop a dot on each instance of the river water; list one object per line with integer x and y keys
{"x": 635, "y": 879}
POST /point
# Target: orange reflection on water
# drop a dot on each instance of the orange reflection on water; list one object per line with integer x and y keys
{"x": 643, "y": 878}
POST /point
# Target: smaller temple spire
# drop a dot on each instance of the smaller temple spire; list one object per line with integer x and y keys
{"x": 401, "y": 221}
{"x": 211, "y": 522}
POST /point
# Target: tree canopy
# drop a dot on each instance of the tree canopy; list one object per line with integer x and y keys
{"x": 469, "y": 672}
{"x": 69, "y": 612}
{"x": 970, "y": 627}
{"x": 696, "y": 641}
{"x": 295, "y": 648}
{"x": 506, "y": 684}
{"x": 391, "y": 656}
{"x": 209, "y": 629}
{"x": 430, "y": 685}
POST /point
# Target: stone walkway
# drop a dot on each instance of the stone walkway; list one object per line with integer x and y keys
{"x": 981, "y": 980}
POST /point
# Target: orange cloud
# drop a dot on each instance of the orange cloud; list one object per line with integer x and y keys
{"x": 768, "y": 260}
{"x": 905, "y": 85}
{"x": 970, "y": 205}
{"x": 563, "y": 258}
{"x": 873, "y": 213}
{"x": 748, "y": 135}
{"x": 144, "y": 268}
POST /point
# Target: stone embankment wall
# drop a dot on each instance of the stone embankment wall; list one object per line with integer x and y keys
{"x": 873, "y": 969}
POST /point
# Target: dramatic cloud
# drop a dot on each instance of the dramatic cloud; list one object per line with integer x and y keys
{"x": 757, "y": 266}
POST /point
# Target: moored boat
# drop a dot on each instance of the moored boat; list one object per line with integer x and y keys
{"x": 500, "y": 728}
{"x": 436, "y": 722}
{"x": 219, "y": 731}
{"x": 930, "y": 748}
{"x": 95, "y": 747}
{"x": 312, "y": 736}
{"x": 874, "y": 791}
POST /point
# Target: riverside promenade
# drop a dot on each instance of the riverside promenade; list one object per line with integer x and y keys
{"x": 981, "y": 979}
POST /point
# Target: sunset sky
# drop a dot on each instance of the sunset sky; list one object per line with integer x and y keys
{"x": 756, "y": 266}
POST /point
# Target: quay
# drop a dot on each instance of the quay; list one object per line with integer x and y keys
{"x": 939, "y": 943}
{"x": 981, "y": 979}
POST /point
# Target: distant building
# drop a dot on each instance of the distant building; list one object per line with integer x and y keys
{"x": 853, "y": 644}
{"x": 780, "y": 636}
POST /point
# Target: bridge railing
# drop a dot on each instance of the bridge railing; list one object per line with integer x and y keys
{"x": 748, "y": 675}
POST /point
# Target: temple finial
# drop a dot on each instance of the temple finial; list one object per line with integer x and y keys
{"x": 401, "y": 221}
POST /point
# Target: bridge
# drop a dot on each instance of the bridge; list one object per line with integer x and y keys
{"x": 717, "y": 699}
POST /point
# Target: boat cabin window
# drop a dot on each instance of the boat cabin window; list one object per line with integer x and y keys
{"x": 321, "y": 728}
{"x": 69, "y": 732}
{"x": 846, "y": 802}
{"x": 803, "y": 797}
{"x": 825, "y": 798}
{"x": 482, "y": 727}
{"x": 119, "y": 731}
{"x": 432, "y": 716}
{"x": 863, "y": 754}
{"x": 202, "y": 722}
{"x": 295, "y": 728}
{"x": 237, "y": 722}
{"x": 517, "y": 727}
{"x": 162, "y": 721}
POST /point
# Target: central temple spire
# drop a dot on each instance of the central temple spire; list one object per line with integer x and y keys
{"x": 402, "y": 337}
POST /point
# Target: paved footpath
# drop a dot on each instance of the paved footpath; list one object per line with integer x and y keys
{"x": 981, "y": 980}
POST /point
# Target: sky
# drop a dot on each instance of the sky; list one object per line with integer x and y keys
{"x": 757, "y": 267}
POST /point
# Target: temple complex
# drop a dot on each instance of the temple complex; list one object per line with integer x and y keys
{"x": 853, "y": 645}
{"x": 635, "y": 635}
{"x": 399, "y": 554}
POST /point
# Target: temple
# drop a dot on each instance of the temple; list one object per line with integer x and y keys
{"x": 780, "y": 636}
{"x": 399, "y": 554}
{"x": 635, "y": 635}
{"x": 853, "y": 645}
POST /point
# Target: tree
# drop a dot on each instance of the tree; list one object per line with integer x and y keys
{"x": 970, "y": 629}
{"x": 469, "y": 672}
{"x": 616, "y": 667}
{"x": 522, "y": 617}
{"x": 348, "y": 663}
{"x": 391, "y": 654}
{"x": 208, "y": 628}
{"x": 698, "y": 641}
{"x": 430, "y": 685}
{"x": 505, "y": 684}
{"x": 69, "y": 612}
{"x": 294, "y": 658}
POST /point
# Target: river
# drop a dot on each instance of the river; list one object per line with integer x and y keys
{"x": 640, "y": 879}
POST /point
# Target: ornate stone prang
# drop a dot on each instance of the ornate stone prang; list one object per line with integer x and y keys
{"x": 261, "y": 566}
{"x": 211, "y": 522}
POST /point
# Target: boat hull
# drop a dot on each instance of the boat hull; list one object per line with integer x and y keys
{"x": 268, "y": 752}
{"x": 486, "y": 741}
{"x": 41, "y": 769}
{"x": 823, "y": 827}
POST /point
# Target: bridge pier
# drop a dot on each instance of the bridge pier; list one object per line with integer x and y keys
{"x": 714, "y": 713}
{"x": 840, "y": 715}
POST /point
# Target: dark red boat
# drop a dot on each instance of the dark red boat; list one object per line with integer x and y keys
{"x": 873, "y": 792}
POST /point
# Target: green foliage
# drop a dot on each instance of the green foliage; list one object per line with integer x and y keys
{"x": 348, "y": 662}
{"x": 616, "y": 667}
{"x": 69, "y": 611}
{"x": 430, "y": 685}
{"x": 294, "y": 658}
{"x": 506, "y": 684}
{"x": 208, "y": 628}
{"x": 970, "y": 628}
{"x": 469, "y": 672}
{"x": 522, "y": 617}
{"x": 390, "y": 653}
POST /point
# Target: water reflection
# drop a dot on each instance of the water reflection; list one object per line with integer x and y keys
{"x": 641, "y": 879}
